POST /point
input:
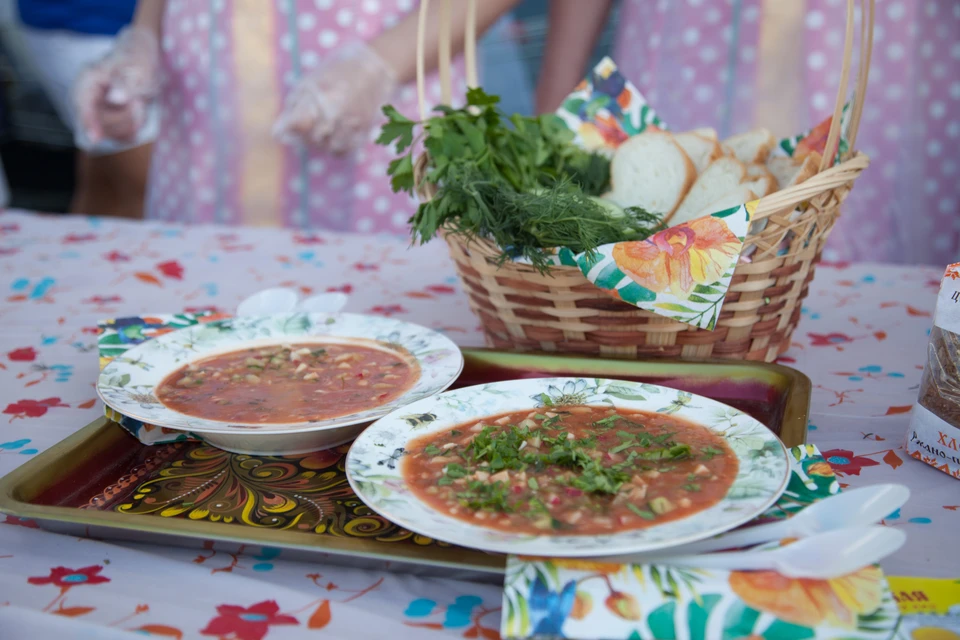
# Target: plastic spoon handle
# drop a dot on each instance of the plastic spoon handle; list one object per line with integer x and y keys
{"x": 823, "y": 556}
{"x": 860, "y": 506}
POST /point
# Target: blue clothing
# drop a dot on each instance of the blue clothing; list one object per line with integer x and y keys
{"x": 94, "y": 17}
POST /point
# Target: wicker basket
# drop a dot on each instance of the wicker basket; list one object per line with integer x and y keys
{"x": 524, "y": 310}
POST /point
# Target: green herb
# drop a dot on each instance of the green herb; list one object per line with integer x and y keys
{"x": 455, "y": 470}
{"x": 624, "y": 435}
{"x": 518, "y": 181}
{"x": 621, "y": 447}
{"x": 595, "y": 478}
{"x": 709, "y": 453}
{"x": 676, "y": 452}
{"x": 550, "y": 423}
{"x": 691, "y": 477}
{"x": 432, "y": 450}
{"x": 454, "y": 433}
{"x": 693, "y": 486}
{"x": 643, "y": 513}
{"x": 444, "y": 480}
{"x": 532, "y": 483}
{"x": 481, "y": 495}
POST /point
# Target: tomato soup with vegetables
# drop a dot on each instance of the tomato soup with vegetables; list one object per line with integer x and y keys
{"x": 571, "y": 470}
{"x": 288, "y": 383}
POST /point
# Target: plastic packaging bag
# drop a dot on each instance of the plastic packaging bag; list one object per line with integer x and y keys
{"x": 934, "y": 434}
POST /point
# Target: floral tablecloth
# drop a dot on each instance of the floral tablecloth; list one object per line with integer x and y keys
{"x": 862, "y": 342}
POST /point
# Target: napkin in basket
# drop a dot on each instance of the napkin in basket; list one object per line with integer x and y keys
{"x": 117, "y": 335}
{"x": 683, "y": 272}
{"x": 588, "y": 599}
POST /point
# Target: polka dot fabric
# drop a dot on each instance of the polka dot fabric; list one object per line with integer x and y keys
{"x": 228, "y": 64}
{"x": 698, "y": 62}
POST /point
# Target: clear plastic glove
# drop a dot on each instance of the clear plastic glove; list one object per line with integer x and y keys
{"x": 336, "y": 106}
{"x": 114, "y": 95}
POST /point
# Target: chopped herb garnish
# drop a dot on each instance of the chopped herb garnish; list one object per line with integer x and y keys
{"x": 621, "y": 447}
{"x": 432, "y": 450}
{"x": 709, "y": 453}
{"x": 532, "y": 483}
{"x": 480, "y": 495}
{"x": 455, "y": 470}
{"x": 454, "y": 433}
{"x": 693, "y": 486}
{"x": 445, "y": 480}
{"x": 643, "y": 513}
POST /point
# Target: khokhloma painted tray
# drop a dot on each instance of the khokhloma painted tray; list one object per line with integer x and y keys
{"x": 101, "y": 482}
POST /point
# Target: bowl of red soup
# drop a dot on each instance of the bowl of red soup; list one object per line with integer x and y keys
{"x": 568, "y": 467}
{"x": 279, "y": 384}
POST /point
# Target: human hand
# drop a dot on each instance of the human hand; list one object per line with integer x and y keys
{"x": 336, "y": 106}
{"x": 113, "y": 94}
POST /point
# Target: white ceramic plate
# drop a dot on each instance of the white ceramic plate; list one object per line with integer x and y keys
{"x": 128, "y": 383}
{"x": 375, "y": 462}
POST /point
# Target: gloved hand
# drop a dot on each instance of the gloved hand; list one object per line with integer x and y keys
{"x": 336, "y": 106}
{"x": 113, "y": 94}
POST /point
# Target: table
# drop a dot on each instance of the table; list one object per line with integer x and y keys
{"x": 862, "y": 341}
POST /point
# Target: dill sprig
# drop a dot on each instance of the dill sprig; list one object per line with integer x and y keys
{"x": 518, "y": 181}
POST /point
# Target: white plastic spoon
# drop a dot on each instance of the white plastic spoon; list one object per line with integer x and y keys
{"x": 284, "y": 300}
{"x": 269, "y": 302}
{"x": 854, "y": 507}
{"x": 860, "y": 506}
{"x": 822, "y": 556}
{"x": 324, "y": 303}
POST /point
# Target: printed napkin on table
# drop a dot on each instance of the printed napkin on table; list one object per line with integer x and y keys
{"x": 583, "y": 599}
{"x": 683, "y": 272}
{"x": 118, "y": 335}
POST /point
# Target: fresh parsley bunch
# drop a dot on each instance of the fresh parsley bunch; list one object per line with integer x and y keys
{"x": 516, "y": 180}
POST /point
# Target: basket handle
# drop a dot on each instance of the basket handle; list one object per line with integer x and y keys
{"x": 445, "y": 53}
{"x": 867, "y": 8}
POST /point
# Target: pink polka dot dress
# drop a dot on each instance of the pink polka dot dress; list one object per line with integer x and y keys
{"x": 737, "y": 64}
{"x": 228, "y": 65}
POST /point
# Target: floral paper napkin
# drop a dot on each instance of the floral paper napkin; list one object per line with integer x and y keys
{"x": 682, "y": 273}
{"x": 589, "y": 599}
{"x": 121, "y": 334}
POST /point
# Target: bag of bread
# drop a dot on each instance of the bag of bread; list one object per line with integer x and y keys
{"x": 934, "y": 434}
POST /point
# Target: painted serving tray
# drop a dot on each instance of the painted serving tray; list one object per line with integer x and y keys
{"x": 102, "y": 482}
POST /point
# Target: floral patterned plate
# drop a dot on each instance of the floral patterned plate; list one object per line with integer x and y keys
{"x": 128, "y": 383}
{"x": 375, "y": 463}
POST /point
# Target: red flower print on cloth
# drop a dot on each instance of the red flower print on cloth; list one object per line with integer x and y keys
{"x": 66, "y": 578}
{"x": 32, "y": 408}
{"x": 102, "y": 300}
{"x": 116, "y": 256}
{"x": 75, "y": 238}
{"x": 25, "y": 354}
{"x": 362, "y": 266}
{"x": 441, "y": 288}
{"x": 344, "y": 288}
{"x": 21, "y": 522}
{"x": 308, "y": 238}
{"x": 844, "y": 463}
{"x": 250, "y": 623}
{"x": 171, "y": 269}
{"x": 387, "y": 310}
{"x": 829, "y": 339}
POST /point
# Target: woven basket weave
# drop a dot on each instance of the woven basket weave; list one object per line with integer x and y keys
{"x": 524, "y": 310}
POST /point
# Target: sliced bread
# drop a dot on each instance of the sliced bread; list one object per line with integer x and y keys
{"x": 752, "y": 146}
{"x": 762, "y": 186}
{"x": 705, "y": 132}
{"x": 740, "y": 195}
{"x": 720, "y": 177}
{"x": 651, "y": 171}
{"x": 701, "y": 150}
{"x": 791, "y": 171}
